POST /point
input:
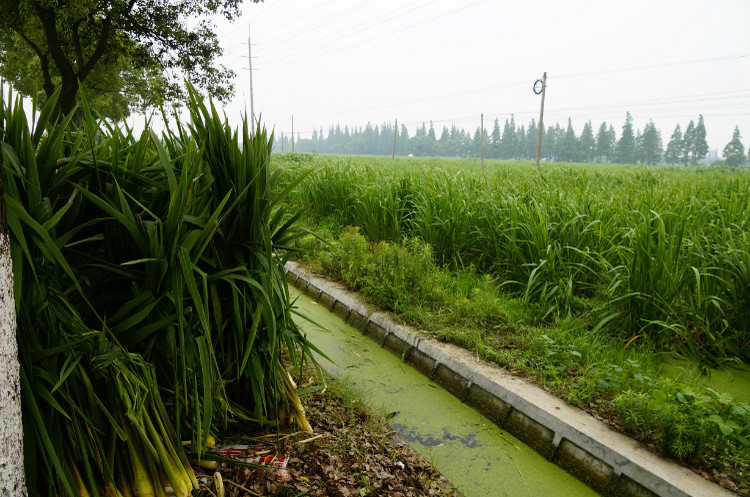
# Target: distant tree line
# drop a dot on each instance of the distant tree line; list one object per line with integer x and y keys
{"x": 512, "y": 141}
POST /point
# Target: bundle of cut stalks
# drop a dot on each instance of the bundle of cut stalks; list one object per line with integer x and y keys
{"x": 152, "y": 306}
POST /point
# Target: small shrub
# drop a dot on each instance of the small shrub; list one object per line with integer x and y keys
{"x": 347, "y": 259}
{"x": 683, "y": 423}
{"x": 399, "y": 273}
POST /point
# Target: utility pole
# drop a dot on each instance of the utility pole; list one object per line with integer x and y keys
{"x": 292, "y": 133}
{"x": 541, "y": 118}
{"x": 481, "y": 127}
{"x": 250, "y": 58}
{"x": 282, "y": 142}
{"x": 395, "y": 129}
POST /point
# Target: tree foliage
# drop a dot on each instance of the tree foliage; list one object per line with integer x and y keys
{"x": 687, "y": 143}
{"x": 625, "y": 148}
{"x": 698, "y": 146}
{"x": 673, "y": 154}
{"x": 734, "y": 152}
{"x": 651, "y": 144}
{"x": 127, "y": 54}
{"x": 605, "y": 140}
{"x": 569, "y": 145}
{"x": 509, "y": 140}
{"x": 587, "y": 144}
{"x": 644, "y": 146}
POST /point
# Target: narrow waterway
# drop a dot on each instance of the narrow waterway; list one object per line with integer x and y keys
{"x": 474, "y": 454}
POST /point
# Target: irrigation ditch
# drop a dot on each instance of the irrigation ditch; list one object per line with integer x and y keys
{"x": 608, "y": 462}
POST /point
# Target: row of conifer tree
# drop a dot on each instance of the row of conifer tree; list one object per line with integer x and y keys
{"x": 513, "y": 141}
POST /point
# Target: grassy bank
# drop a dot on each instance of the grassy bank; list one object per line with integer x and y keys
{"x": 561, "y": 333}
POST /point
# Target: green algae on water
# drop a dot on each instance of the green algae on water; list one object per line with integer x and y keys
{"x": 733, "y": 381}
{"x": 474, "y": 454}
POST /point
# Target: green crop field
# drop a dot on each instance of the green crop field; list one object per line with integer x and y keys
{"x": 660, "y": 254}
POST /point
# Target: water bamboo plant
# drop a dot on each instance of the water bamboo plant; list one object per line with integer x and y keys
{"x": 663, "y": 254}
{"x": 152, "y": 303}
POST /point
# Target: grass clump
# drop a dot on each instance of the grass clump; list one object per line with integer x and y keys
{"x": 392, "y": 274}
{"x": 685, "y": 423}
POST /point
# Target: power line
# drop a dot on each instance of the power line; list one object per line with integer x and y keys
{"x": 378, "y": 37}
{"x": 426, "y": 99}
{"x": 265, "y": 11}
{"x": 292, "y": 21}
{"x": 653, "y": 66}
{"x": 652, "y": 102}
{"x": 472, "y": 117}
{"x": 365, "y": 27}
{"x": 322, "y": 21}
{"x": 296, "y": 34}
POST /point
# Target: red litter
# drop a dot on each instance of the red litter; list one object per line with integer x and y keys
{"x": 242, "y": 453}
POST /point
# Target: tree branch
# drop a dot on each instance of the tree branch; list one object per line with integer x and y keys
{"x": 101, "y": 45}
{"x": 47, "y": 86}
{"x": 77, "y": 44}
{"x": 47, "y": 18}
{"x": 105, "y": 90}
{"x": 102, "y": 42}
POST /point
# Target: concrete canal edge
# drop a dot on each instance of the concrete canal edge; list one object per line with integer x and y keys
{"x": 609, "y": 462}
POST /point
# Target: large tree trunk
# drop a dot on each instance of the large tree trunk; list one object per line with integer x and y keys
{"x": 12, "y": 477}
{"x": 67, "y": 100}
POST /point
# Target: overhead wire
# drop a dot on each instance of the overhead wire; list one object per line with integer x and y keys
{"x": 288, "y": 22}
{"x": 316, "y": 25}
{"x": 269, "y": 7}
{"x": 335, "y": 16}
{"x": 651, "y": 103}
{"x": 425, "y": 99}
{"x": 234, "y": 31}
{"x": 310, "y": 57}
{"x": 652, "y": 66}
{"x": 339, "y": 36}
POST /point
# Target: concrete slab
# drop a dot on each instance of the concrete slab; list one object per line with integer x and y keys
{"x": 493, "y": 408}
{"x": 594, "y": 472}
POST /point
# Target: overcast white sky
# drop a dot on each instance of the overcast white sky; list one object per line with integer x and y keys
{"x": 447, "y": 61}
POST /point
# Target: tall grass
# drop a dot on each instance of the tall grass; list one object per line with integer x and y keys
{"x": 660, "y": 253}
{"x": 151, "y": 298}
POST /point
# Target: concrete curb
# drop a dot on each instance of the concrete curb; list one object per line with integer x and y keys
{"x": 609, "y": 462}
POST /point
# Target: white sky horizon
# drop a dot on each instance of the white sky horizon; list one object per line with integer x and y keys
{"x": 352, "y": 62}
